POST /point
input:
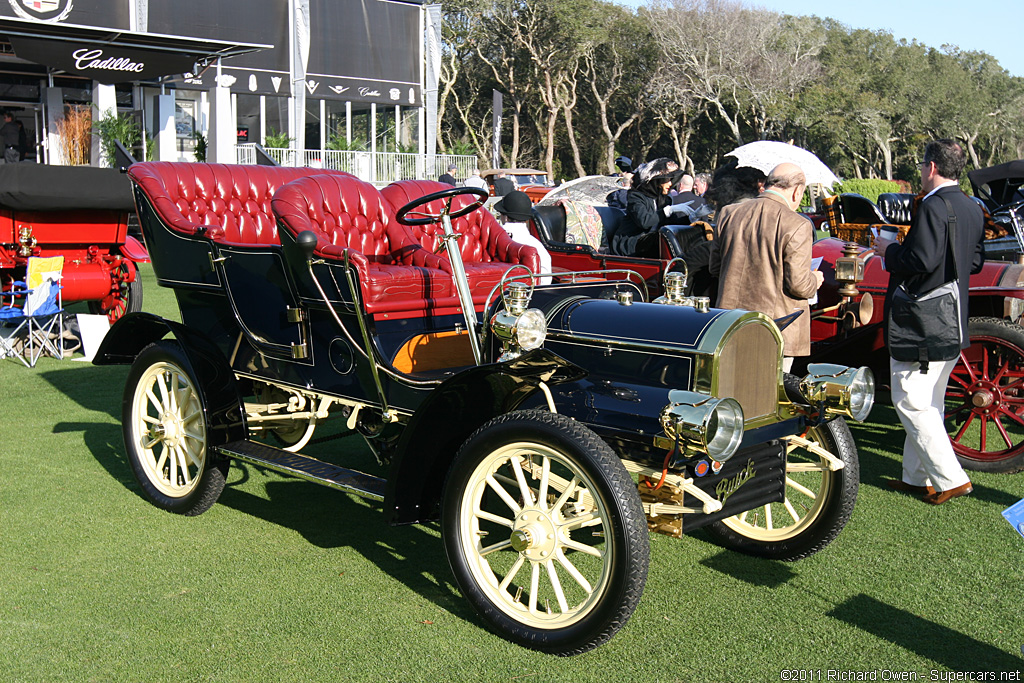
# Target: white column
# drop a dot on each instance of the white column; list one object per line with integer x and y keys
{"x": 54, "y": 98}
{"x": 223, "y": 135}
{"x": 263, "y": 121}
{"x": 323, "y": 129}
{"x": 104, "y": 98}
{"x": 164, "y": 129}
{"x": 373, "y": 142}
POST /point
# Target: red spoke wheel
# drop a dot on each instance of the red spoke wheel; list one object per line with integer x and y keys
{"x": 985, "y": 398}
{"x": 125, "y": 297}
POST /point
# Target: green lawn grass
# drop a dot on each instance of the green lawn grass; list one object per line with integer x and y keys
{"x": 286, "y": 581}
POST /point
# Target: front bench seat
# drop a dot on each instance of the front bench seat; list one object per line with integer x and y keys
{"x": 487, "y": 250}
{"x": 395, "y": 272}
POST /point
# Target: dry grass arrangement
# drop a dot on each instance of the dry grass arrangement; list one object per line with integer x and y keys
{"x": 75, "y": 131}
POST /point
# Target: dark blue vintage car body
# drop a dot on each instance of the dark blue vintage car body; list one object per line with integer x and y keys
{"x": 282, "y": 331}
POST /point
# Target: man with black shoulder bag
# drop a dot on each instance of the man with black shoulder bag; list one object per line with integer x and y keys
{"x": 926, "y": 325}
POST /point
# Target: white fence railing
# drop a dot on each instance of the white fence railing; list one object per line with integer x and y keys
{"x": 379, "y": 168}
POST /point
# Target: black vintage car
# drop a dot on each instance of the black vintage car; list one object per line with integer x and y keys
{"x": 548, "y": 428}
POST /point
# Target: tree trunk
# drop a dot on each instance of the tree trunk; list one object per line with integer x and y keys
{"x": 567, "y": 113}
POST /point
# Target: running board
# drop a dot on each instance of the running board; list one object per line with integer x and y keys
{"x": 304, "y": 467}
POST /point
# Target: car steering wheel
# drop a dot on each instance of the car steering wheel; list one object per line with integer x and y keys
{"x": 418, "y": 218}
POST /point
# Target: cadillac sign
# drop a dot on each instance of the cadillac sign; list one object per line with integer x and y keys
{"x": 45, "y": 10}
{"x": 102, "y": 62}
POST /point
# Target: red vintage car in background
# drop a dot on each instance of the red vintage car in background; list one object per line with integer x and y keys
{"x": 81, "y": 213}
{"x": 534, "y": 183}
{"x": 985, "y": 397}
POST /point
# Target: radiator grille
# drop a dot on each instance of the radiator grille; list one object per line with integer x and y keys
{"x": 748, "y": 370}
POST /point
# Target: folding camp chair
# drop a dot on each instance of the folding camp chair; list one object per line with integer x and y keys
{"x": 13, "y": 323}
{"x": 36, "y": 326}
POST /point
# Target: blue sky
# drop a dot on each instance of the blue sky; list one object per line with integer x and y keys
{"x": 995, "y": 27}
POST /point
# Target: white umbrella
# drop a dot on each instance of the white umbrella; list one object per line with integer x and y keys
{"x": 590, "y": 189}
{"x": 764, "y": 155}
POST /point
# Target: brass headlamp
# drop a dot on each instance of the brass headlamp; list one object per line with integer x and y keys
{"x": 840, "y": 389}
{"x": 711, "y": 425}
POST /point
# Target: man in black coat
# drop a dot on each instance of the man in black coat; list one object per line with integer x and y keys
{"x": 448, "y": 177}
{"x": 920, "y": 264}
{"x": 503, "y": 185}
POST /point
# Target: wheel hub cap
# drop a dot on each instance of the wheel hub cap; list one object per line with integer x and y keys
{"x": 534, "y": 535}
{"x": 985, "y": 397}
{"x": 170, "y": 430}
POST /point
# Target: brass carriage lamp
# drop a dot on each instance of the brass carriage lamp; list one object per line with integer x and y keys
{"x": 26, "y": 241}
{"x": 850, "y": 270}
{"x": 518, "y": 327}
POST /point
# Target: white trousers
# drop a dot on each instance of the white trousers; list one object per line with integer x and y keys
{"x": 919, "y": 399}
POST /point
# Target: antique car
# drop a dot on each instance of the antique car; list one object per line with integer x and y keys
{"x": 81, "y": 213}
{"x": 547, "y": 428}
{"x": 534, "y": 183}
{"x": 985, "y": 397}
{"x": 1001, "y": 190}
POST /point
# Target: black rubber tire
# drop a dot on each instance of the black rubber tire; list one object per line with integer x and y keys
{"x": 571, "y": 448}
{"x": 160, "y": 480}
{"x": 823, "y": 521}
{"x": 129, "y": 302}
{"x": 996, "y": 356}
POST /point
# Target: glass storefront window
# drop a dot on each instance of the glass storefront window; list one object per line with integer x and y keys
{"x": 312, "y": 124}
{"x": 247, "y": 118}
{"x": 409, "y": 130}
{"x": 277, "y": 117}
{"x": 361, "y": 125}
{"x": 188, "y": 126}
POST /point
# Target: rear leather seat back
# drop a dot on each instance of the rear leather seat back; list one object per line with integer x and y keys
{"x": 229, "y": 204}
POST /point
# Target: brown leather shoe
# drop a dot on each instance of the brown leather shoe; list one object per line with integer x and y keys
{"x": 940, "y": 497}
{"x": 900, "y": 485}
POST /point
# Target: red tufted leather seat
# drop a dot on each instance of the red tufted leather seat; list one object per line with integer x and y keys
{"x": 395, "y": 272}
{"x": 226, "y": 203}
{"x": 487, "y": 250}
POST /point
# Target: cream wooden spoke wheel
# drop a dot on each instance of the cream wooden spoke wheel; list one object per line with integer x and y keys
{"x": 545, "y": 532}
{"x": 165, "y": 432}
{"x": 819, "y": 497}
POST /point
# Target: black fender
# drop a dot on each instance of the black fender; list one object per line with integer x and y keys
{"x": 449, "y": 415}
{"x": 225, "y": 408}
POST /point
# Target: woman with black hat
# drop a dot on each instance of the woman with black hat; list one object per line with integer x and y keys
{"x": 516, "y": 210}
{"x": 648, "y": 207}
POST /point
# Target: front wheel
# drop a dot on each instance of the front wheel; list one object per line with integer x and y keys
{"x": 544, "y": 532}
{"x": 165, "y": 432}
{"x": 818, "y": 499}
{"x": 985, "y": 398}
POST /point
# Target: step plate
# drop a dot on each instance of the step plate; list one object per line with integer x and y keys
{"x": 304, "y": 467}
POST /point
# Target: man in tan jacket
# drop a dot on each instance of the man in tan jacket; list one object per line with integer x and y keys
{"x": 761, "y": 256}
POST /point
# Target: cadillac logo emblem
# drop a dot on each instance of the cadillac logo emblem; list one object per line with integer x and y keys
{"x": 47, "y": 10}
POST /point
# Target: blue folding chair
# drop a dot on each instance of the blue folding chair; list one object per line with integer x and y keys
{"x": 31, "y": 324}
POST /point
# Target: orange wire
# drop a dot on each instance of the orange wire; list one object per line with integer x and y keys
{"x": 664, "y": 472}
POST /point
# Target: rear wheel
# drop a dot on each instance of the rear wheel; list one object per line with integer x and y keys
{"x": 126, "y": 299}
{"x": 818, "y": 499}
{"x": 165, "y": 432}
{"x": 545, "y": 532}
{"x": 985, "y": 398}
